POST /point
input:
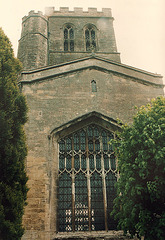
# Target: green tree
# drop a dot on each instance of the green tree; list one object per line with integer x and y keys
{"x": 13, "y": 115}
{"x": 139, "y": 205}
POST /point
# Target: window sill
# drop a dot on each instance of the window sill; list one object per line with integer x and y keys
{"x": 93, "y": 235}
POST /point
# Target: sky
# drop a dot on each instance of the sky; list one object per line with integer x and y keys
{"x": 139, "y": 26}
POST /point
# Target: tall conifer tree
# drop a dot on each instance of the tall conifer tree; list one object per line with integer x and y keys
{"x": 13, "y": 115}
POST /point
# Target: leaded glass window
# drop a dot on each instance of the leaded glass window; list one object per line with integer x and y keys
{"x": 97, "y": 202}
{"x": 68, "y": 39}
{"x": 87, "y": 174}
{"x": 90, "y": 38}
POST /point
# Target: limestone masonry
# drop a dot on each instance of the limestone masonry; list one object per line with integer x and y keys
{"x": 76, "y": 88}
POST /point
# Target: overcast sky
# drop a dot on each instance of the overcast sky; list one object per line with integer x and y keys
{"x": 139, "y": 26}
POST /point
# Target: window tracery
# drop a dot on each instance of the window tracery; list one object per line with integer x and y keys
{"x": 90, "y": 38}
{"x": 87, "y": 174}
{"x": 68, "y": 39}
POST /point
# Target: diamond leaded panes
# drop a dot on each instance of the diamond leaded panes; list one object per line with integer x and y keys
{"x": 65, "y": 200}
{"x": 97, "y": 202}
{"x": 87, "y": 174}
{"x": 81, "y": 203}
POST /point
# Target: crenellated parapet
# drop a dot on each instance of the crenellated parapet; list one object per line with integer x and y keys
{"x": 32, "y": 13}
{"x": 35, "y": 22}
{"x": 42, "y": 38}
{"x": 50, "y": 11}
{"x": 76, "y": 88}
{"x": 32, "y": 49}
{"x": 92, "y": 12}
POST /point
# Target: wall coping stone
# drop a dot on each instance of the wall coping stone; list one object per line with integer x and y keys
{"x": 92, "y": 62}
{"x": 92, "y": 12}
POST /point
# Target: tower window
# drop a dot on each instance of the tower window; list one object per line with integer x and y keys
{"x": 68, "y": 39}
{"x": 90, "y": 39}
{"x": 86, "y": 177}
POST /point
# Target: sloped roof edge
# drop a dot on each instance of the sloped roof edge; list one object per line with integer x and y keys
{"x": 92, "y": 61}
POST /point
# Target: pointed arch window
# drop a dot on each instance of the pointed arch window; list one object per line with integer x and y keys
{"x": 90, "y": 38}
{"x": 94, "y": 86}
{"x": 87, "y": 174}
{"x": 68, "y": 39}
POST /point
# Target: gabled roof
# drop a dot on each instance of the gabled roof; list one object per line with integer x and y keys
{"x": 91, "y": 62}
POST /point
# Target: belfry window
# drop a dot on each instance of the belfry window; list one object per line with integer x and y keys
{"x": 90, "y": 39}
{"x": 68, "y": 39}
{"x": 87, "y": 174}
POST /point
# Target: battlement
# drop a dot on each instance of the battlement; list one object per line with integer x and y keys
{"x": 64, "y": 11}
{"x": 32, "y": 13}
{"x": 42, "y": 41}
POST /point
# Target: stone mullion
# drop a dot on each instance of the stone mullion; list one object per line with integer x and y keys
{"x": 116, "y": 162}
{"x": 88, "y": 183}
{"x": 90, "y": 37}
{"x": 69, "y": 39}
{"x": 104, "y": 184}
{"x": 73, "y": 189}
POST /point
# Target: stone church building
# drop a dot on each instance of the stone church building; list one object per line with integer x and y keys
{"x": 76, "y": 89}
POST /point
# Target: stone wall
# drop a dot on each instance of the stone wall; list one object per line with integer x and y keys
{"x": 54, "y": 102}
{"x": 105, "y": 37}
{"x": 60, "y": 96}
{"x": 33, "y": 44}
{"x": 42, "y": 37}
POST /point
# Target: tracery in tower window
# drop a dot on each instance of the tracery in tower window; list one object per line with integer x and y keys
{"x": 68, "y": 39}
{"x": 90, "y": 38}
{"x": 87, "y": 174}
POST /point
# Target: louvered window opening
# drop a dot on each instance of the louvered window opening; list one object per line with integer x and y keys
{"x": 90, "y": 39}
{"x": 87, "y": 174}
{"x": 68, "y": 39}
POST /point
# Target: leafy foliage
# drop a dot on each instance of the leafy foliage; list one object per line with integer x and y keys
{"x": 139, "y": 205}
{"x": 13, "y": 115}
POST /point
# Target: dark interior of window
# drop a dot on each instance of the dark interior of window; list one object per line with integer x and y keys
{"x": 68, "y": 39}
{"x": 87, "y": 174}
{"x": 90, "y": 39}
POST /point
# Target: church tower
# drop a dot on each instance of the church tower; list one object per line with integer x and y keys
{"x": 76, "y": 88}
{"x": 62, "y": 36}
{"x": 33, "y": 44}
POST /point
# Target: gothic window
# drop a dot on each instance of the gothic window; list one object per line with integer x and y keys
{"x": 90, "y": 38}
{"x": 94, "y": 87}
{"x": 68, "y": 39}
{"x": 87, "y": 174}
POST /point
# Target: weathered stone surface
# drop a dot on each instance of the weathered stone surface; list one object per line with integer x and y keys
{"x": 41, "y": 41}
{"x": 55, "y": 101}
{"x": 110, "y": 235}
{"x": 60, "y": 99}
